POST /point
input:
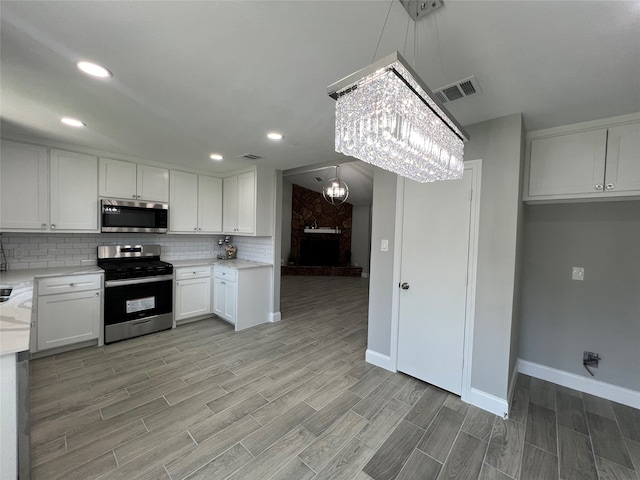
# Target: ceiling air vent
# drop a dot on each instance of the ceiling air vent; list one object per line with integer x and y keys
{"x": 250, "y": 156}
{"x": 461, "y": 89}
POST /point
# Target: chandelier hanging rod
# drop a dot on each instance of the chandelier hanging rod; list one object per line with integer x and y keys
{"x": 349, "y": 83}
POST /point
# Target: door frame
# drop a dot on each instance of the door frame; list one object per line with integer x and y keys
{"x": 475, "y": 167}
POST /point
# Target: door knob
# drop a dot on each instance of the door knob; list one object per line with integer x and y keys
{"x": 404, "y": 286}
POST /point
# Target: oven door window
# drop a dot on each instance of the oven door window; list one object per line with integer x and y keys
{"x": 131, "y": 302}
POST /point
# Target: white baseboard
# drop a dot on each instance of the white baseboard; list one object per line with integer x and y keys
{"x": 275, "y": 317}
{"x": 488, "y": 402}
{"x": 380, "y": 360}
{"x": 611, "y": 392}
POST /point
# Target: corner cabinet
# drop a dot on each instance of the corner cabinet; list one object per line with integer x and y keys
{"x": 242, "y": 296}
{"x": 47, "y": 190}
{"x": 195, "y": 203}
{"x": 68, "y": 310}
{"x": 121, "y": 179}
{"x": 192, "y": 293}
{"x": 584, "y": 161}
{"x": 248, "y": 203}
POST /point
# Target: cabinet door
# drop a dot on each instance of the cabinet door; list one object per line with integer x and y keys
{"x": 117, "y": 179}
{"x": 24, "y": 187}
{"x": 623, "y": 159}
{"x": 183, "y": 202}
{"x": 230, "y": 204}
{"x": 74, "y": 191}
{"x": 209, "y": 204}
{"x": 153, "y": 183}
{"x": 246, "y": 203}
{"x": 67, "y": 319}
{"x": 568, "y": 164}
{"x": 193, "y": 298}
{"x": 225, "y": 300}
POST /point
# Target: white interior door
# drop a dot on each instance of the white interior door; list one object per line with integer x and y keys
{"x": 435, "y": 256}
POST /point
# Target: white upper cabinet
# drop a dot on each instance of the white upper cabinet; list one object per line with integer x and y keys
{"x": 57, "y": 191}
{"x": 74, "y": 191}
{"x": 583, "y": 162}
{"x": 24, "y": 187}
{"x": 121, "y": 179}
{"x": 209, "y": 204}
{"x": 195, "y": 203}
{"x": 248, "y": 203}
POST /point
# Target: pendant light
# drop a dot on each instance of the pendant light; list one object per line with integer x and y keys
{"x": 335, "y": 191}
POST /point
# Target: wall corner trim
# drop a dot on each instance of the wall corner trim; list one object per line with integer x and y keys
{"x": 379, "y": 360}
{"x": 488, "y": 402}
{"x": 609, "y": 391}
{"x": 275, "y": 317}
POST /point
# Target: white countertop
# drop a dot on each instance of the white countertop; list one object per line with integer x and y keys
{"x": 15, "y": 314}
{"x": 235, "y": 263}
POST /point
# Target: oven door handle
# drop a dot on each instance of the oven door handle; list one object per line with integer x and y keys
{"x": 137, "y": 281}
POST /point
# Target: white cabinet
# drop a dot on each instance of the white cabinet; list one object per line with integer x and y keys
{"x": 195, "y": 203}
{"x": 121, "y": 179}
{"x": 225, "y": 294}
{"x": 74, "y": 191}
{"x": 583, "y": 163}
{"x": 47, "y": 190}
{"x": 192, "y": 292}
{"x": 68, "y": 310}
{"x": 248, "y": 203}
{"x": 24, "y": 186}
{"x": 242, "y": 296}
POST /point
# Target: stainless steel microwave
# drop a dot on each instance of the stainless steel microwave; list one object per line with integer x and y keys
{"x": 127, "y": 216}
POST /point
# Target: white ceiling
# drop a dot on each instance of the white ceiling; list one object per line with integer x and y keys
{"x": 191, "y": 78}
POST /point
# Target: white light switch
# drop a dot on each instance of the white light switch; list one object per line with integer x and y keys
{"x": 384, "y": 246}
{"x": 577, "y": 273}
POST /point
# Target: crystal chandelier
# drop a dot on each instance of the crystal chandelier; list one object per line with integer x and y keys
{"x": 386, "y": 116}
{"x": 335, "y": 191}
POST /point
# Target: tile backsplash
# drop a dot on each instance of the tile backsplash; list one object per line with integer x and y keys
{"x": 41, "y": 250}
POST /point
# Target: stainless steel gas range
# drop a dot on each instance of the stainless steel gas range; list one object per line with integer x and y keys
{"x": 138, "y": 293}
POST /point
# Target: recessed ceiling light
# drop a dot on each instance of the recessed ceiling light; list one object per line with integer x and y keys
{"x": 72, "y": 122}
{"x": 216, "y": 156}
{"x": 94, "y": 69}
{"x": 274, "y": 136}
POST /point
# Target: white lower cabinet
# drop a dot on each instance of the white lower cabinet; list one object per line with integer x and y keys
{"x": 226, "y": 295}
{"x": 242, "y": 296}
{"x": 68, "y": 310}
{"x": 192, "y": 292}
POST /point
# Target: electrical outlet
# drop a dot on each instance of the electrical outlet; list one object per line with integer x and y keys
{"x": 384, "y": 245}
{"x": 591, "y": 359}
{"x": 577, "y": 273}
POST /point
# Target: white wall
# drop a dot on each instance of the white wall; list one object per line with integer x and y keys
{"x": 361, "y": 237}
{"x": 498, "y": 143}
{"x": 561, "y": 317}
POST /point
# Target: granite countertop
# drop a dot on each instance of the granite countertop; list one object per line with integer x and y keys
{"x": 235, "y": 263}
{"x": 15, "y": 313}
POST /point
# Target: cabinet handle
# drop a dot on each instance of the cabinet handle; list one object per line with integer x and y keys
{"x": 138, "y": 196}
{"x": 610, "y": 186}
{"x": 199, "y": 228}
{"x": 195, "y": 229}
{"x": 134, "y": 196}
{"x": 72, "y": 284}
{"x": 178, "y": 284}
{"x": 53, "y": 226}
{"x": 223, "y": 283}
{"x": 599, "y": 187}
{"x": 43, "y": 226}
{"x": 97, "y": 294}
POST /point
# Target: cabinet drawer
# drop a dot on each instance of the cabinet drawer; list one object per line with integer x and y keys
{"x": 185, "y": 273}
{"x": 69, "y": 284}
{"x": 228, "y": 274}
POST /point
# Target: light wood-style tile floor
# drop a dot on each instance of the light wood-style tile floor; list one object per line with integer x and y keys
{"x": 295, "y": 400}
